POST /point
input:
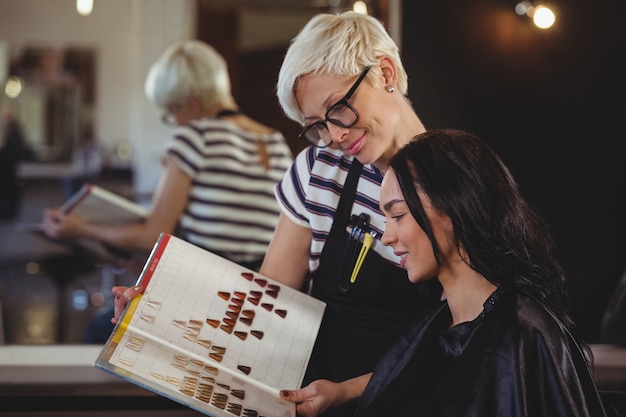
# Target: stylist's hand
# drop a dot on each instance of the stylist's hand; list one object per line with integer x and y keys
{"x": 58, "y": 225}
{"x": 122, "y": 295}
{"x": 315, "y": 398}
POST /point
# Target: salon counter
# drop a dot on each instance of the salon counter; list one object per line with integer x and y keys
{"x": 60, "y": 380}
{"x": 49, "y": 380}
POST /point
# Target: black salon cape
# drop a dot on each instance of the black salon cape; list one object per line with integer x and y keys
{"x": 514, "y": 360}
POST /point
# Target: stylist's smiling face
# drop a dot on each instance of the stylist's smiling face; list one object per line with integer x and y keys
{"x": 404, "y": 234}
{"x": 317, "y": 93}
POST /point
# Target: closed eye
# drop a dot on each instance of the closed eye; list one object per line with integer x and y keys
{"x": 397, "y": 217}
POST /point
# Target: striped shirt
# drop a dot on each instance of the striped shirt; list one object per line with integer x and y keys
{"x": 231, "y": 209}
{"x": 309, "y": 194}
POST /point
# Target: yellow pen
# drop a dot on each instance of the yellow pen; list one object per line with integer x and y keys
{"x": 368, "y": 238}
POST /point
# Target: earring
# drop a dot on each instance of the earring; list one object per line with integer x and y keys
{"x": 391, "y": 89}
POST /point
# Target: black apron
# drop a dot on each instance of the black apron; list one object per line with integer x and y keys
{"x": 362, "y": 319}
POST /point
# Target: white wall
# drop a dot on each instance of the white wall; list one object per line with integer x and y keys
{"x": 127, "y": 35}
{"x": 158, "y": 24}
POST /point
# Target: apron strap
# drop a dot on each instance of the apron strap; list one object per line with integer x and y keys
{"x": 344, "y": 208}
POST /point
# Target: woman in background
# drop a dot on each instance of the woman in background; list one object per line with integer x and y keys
{"x": 219, "y": 169}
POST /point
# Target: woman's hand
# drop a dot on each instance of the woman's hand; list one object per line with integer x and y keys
{"x": 122, "y": 295}
{"x": 58, "y": 225}
{"x": 321, "y": 395}
{"x": 315, "y": 398}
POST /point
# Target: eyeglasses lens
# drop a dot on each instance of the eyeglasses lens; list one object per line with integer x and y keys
{"x": 340, "y": 114}
{"x": 317, "y": 134}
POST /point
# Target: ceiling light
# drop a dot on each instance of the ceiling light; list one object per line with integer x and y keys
{"x": 543, "y": 17}
{"x": 84, "y": 7}
{"x": 360, "y": 7}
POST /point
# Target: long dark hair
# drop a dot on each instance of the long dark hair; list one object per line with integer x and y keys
{"x": 505, "y": 239}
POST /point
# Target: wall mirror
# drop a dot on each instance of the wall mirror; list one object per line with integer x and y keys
{"x": 81, "y": 83}
{"x": 51, "y": 93}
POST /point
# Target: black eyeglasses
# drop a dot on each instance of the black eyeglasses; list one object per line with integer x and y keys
{"x": 340, "y": 114}
{"x": 168, "y": 119}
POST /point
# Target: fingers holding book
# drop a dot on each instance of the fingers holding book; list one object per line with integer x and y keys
{"x": 59, "y": 225}
{"x": 122, "y": 296}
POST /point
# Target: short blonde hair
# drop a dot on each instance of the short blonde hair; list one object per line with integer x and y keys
{"x": 339, "y": 45}
{"x": 190, "y": 69}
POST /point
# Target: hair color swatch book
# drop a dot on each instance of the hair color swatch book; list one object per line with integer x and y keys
{"x": 97, "y": 205}
{"x": 213, "y": 335}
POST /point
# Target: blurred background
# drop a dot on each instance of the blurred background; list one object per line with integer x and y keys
{"x": 551, "y": 101}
